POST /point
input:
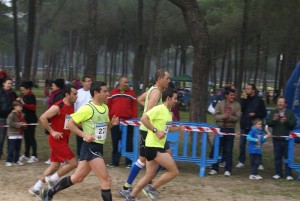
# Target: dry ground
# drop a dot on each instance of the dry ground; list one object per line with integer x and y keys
{"x": 188, "y": 186}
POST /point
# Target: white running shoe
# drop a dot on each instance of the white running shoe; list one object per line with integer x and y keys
{"x": 8, "y": 164}
{"x": 240, "y": 165}
{"x": 32, "y": 159}
{"x": 276, "y": 176}
{"x": 23, "y": 158}
{"x": 252, "y": 177}
{"x": 48, "y": 162}
{"x": 19, "y": 163}
{"x": 258, "y": 177}
{"x": 289, "y": 178}
{"x": 50, "y": 182}
{"x": 227, "y": 173}
{"x": 33, "y": 191}
{"x": 212, "y": 172}
{"x": 261, "y": 167}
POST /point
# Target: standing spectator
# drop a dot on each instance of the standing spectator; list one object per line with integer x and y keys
{"x": 252, "y": 107}
{"x": 282, "y": 120}
{"x": 7, "y": 96}
{"x": 77, "y": 83}
{"x": 123, "y": 104}
{"x": 256, "y": 138}
{"x": 227, "y": 114}
{"x": 56, "y": 93}
{"x": 95, "y": 122}
{"x": 29, "y": 109}
{"x": 3, "y": 74}
{"x": 59, "y": 114}
{"x": 16, "y": 123}
{"x": 84, "y": 96}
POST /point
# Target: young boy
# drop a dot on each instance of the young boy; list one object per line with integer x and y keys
{"x": 256, "y": 138}
{"x": 15, "y": 121}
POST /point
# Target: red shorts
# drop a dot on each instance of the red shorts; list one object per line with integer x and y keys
{"x": 60, "y": 154}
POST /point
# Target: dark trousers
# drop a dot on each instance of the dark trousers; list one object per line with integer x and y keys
{"x": 79, "y": 141}
{"x": 281, "y": 150}
{"x": 3, "y": 133}
{"x": 29, "y": 137}
{"x": 228, "y": 142}
{"x": 243, "y": 142}
{"x": 255, "y": 161}
{"x": 13, "y": 150}
{"x": 116, "y": 136}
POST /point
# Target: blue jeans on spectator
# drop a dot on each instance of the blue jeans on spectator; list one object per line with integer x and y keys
{"x": 116, "y": 135}
{"x": 280, "y": 151}
{"x": 3, "y": 133}
{"x": 13, "y": 150}
{"x": 228, "y": 141}
{"x": 243, "y": 142}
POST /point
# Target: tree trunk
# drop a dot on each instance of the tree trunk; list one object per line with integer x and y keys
{"x": 16, "y": 43}
{"x": 150, "y": 46}
{"x": 265, "y": 69}
{"x": 197, "y": 28}
{"x": 182, "y": 69}
{"x": 240, "y": 71}
{"x": 229, "y": 65}
{"x": 70, "y": 63}
{"x": 176, "y": 59}
{"x": 30, "y": 39}
{"x": 138, "y": 62}
{"x": 257, "y": 59}
{"x": 223, "y": 65}
{"x": 92, "y": 49}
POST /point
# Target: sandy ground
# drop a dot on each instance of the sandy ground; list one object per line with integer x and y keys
{"x": 15, "y": 182}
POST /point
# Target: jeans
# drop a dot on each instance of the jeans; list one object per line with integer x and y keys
{"x": 116, "y": 136}
{"x": 255, "y": 161}
{"x": 228, "y": 141}
{"x": 29, "y": 137}
{"x": 13, "y": 150}
{"x": 280, "y": 151}
{"x": 243, "y": 142}
{"x": 3, "y": 133}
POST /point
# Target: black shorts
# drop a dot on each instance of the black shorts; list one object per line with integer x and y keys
{"x": 152, "y": 151}
{"x": 91, "y": 150}
{"x": 143, "y": 141}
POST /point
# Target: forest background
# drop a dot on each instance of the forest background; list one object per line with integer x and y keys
{"x": 214, "y": 41}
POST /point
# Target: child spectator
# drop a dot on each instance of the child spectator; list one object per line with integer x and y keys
{"x": 256, "y": 138}
{"x": 15, "y": 121}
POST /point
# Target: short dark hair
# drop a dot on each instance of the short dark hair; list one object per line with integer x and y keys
{"x": 67, "y": 89}
{"x": 27, "y": 84}
{"x": 168, "y": 92}
{"x": 96, "y": 86}
{"x": 86, "y": 76}
{"x": 228, "y": 91}
{"x": 160, "y": 73}
{"x": 253, "y": 86}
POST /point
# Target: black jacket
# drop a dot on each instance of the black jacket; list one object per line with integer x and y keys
{"x": 29, "y": 108}
{"x": 252, "y": 104}
{"x": 6, "y": 99}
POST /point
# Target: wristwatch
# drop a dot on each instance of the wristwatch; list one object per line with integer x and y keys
{"x": 154, "y": 130}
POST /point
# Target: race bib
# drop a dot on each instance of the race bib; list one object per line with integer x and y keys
{"x": 67, "y": 118}
{"x": 168, "y": 126}
{"x": 100, "y": 131}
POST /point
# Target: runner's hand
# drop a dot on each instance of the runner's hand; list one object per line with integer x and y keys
{"x": 160, "y": 134}
{"x": 115, "y": 120}
{"x": 88, "y": 138}
{"x": 57, "y": 135}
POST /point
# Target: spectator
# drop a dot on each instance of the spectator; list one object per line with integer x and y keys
{"x": 56, "y": 93}
{"x": 3, "y": 74}
{"x": 252, "y": 107}
{"x": 282, "y": 120}
{"x": 7, "y": 96}
{"x": 123, "y": 104}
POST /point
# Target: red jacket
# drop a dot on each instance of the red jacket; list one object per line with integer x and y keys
{"x": 123, "y": 105}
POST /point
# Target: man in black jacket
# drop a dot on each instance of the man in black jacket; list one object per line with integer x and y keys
{"x": 252, "y": 107}
{"x": 7, "y": 96}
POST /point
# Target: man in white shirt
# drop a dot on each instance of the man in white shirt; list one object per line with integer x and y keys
{"x": 84, "y": 96}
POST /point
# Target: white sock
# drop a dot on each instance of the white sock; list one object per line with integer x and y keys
{"x": 54, "y": 177}
{"x": 38, "y": 185}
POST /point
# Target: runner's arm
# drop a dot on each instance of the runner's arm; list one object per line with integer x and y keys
{"x": 51, "y": 112}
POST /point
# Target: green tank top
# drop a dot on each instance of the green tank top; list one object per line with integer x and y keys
{"x": 142, "y": 127}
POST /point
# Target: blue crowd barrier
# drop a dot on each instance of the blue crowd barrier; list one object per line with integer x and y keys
{"x": 180, "y": 149}
{"x": 291, "y": 152}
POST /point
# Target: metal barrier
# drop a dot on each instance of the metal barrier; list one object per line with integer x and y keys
{"x": 180, "y": 149}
